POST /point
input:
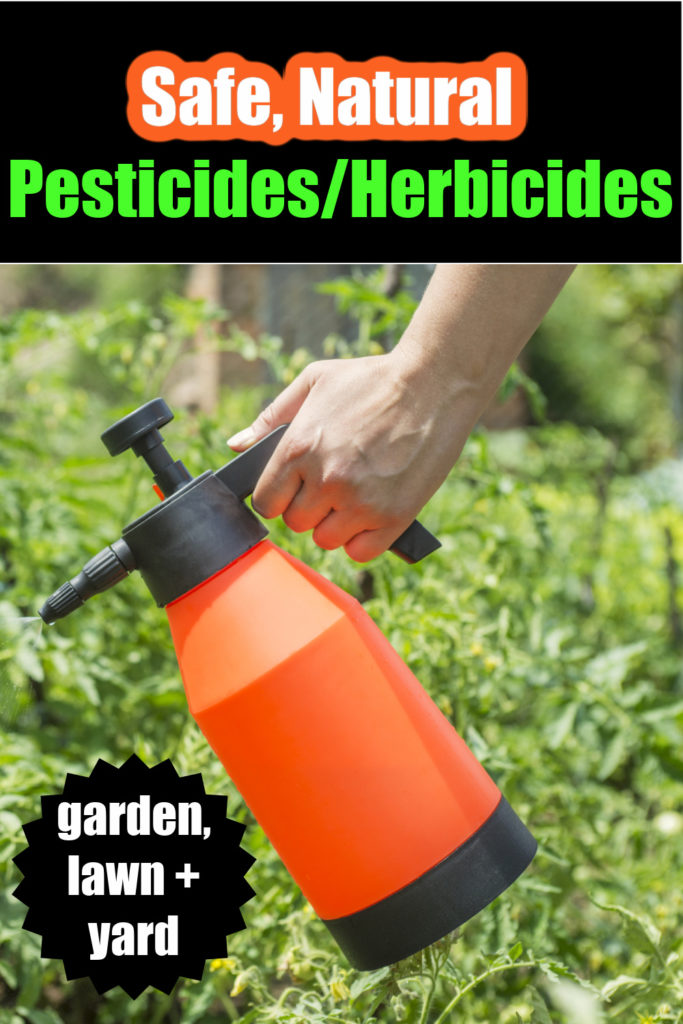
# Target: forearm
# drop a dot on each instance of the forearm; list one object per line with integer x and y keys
{"x": 470, "y": 326}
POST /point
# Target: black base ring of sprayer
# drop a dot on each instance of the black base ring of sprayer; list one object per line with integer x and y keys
{"x": 441, "y": 899}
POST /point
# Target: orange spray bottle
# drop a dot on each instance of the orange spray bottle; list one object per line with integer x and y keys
{"x": 383, "y": 816}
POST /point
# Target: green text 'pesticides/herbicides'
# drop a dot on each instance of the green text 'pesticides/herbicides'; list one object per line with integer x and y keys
{"x": 364, "y": 189}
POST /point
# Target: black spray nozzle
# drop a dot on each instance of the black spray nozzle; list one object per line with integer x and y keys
{"x": 103, "y": 571}
{"x": 140, "y": 431}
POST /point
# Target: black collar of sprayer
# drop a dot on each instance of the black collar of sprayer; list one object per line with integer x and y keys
{"x": 190, "y": 536}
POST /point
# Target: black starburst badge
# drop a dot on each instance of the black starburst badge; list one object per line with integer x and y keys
{"x": 134, "y": 876}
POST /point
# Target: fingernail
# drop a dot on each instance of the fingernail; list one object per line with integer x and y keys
{"x": 245, "y": 437}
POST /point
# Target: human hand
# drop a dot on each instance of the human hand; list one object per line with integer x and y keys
{"x": 369, "y": 442}
{"x": 372, "y": 439}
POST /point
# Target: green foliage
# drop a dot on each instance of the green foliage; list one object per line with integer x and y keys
{"x": 381, "y": 318}
{"x": 609, "y": 355}
{"x": 543, "y": 630}
{"x": 70, "y": 286}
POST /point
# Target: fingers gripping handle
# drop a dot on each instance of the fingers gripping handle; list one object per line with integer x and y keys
{"x": 242, "y": 474}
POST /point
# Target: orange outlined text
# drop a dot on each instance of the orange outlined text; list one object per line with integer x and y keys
{"x": 323, "y": 96}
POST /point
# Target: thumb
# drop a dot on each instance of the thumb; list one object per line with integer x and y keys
{"x": 282, "y": 410}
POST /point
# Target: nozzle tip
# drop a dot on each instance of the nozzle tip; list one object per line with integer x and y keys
{"x": 47, "y": 614}
{"x": 60, "y": 604}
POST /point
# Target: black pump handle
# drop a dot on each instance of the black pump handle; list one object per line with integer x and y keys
{"x": 242, "y": 474}
{"x": 140, "y": 431}
{"x": 133, "y": 429}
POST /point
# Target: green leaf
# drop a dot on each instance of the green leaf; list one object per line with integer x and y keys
{"x": 557, "y": 971}
{"x": 8, "y": 974}
{"x": 516, "y": 951}
{"x": 664, "y": 713}
{"x": 41, "y": 1016}
{"x": 199, "y": 999}
{"x": 29, "y": 662}
{"x": 541, "y": 1014}
{"x": 643, "y": 933}
{"x": 10, "y": 823}
{"x": 558, "y": 731}
{"x": 616, "y": 753}
{"x": 621, "y": 982}
{"x": 611, "y": 668}
{"x": 86, "y": 684}
{"x": 29, "y": 993}
{"x": 364, "y": 982}
{"x": 577, "y": 1004}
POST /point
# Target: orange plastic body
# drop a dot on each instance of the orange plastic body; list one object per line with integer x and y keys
{"x": 357, "y": 778}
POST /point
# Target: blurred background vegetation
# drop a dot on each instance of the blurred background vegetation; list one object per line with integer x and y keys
{"x": 548, "y": 628}
{"x": 608, "y": 356}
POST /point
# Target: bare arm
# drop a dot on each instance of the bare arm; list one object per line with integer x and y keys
{"x": 372, "y": 439}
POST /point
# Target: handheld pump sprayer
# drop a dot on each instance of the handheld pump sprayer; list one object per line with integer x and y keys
{"x": 382, "y": 815}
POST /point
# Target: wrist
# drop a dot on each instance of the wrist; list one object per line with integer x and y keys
{"x": 439, "y": 383}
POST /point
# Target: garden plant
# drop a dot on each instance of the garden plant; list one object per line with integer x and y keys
{"x": 548, "y": 629}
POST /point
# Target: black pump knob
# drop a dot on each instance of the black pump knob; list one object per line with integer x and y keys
{"x": 140, "y": 431}
{"x": 132, "y": 428}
